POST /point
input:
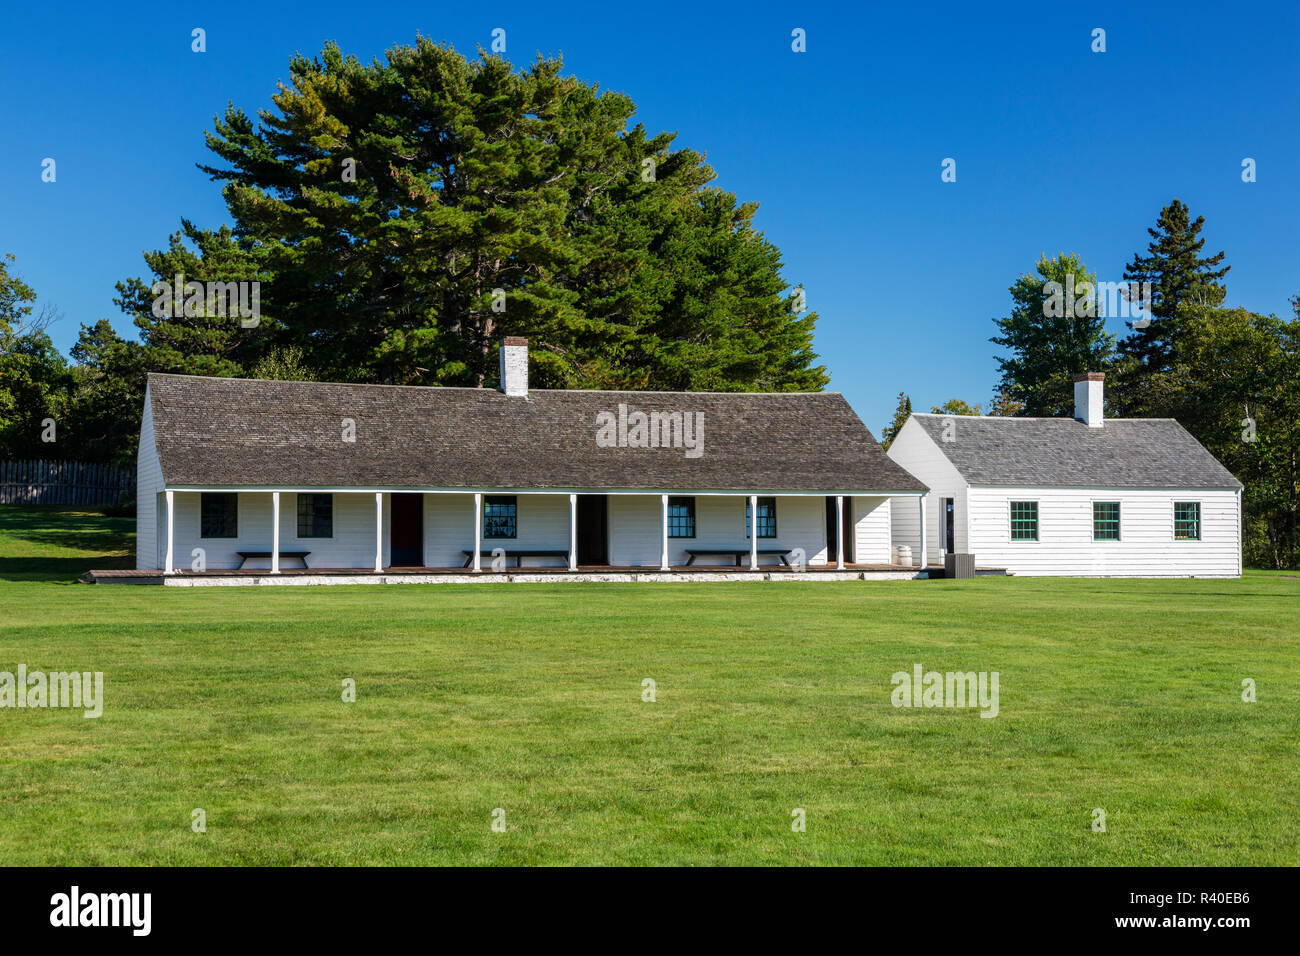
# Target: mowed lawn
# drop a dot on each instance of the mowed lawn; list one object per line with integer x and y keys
{"x": 1119, "y": 695}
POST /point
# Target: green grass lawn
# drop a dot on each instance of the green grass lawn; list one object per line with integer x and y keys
{"x": 1120, "y": 695}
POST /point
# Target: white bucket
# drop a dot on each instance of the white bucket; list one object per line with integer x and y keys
{"x": 903, "y": 555}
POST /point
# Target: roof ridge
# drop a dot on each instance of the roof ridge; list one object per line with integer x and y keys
{"x": 1037, "y": 418}
{"x": 469, "y": 388}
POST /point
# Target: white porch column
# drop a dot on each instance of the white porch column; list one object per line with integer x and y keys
{"x": 379, "y": 531}
{"x": 478, "y": 529}
{"x": 171, "y": 537}
{"x": 753, "y": 532}
{"x": 663, "y": 514}
{"x": 573, "y": 532}
{"x": 275, "y": 532}
{"x": 839, "y": 532}
{"x": 924, "y": 559}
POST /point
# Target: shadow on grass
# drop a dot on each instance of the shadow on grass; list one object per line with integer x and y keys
{"x": 40, "y": 542}
{"x": 66, "y": 570}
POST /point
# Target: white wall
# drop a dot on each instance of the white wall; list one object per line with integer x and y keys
{"x": 1146, "y": 547}
{"x": 148, "y": 486}
{"x": 636, "y": 531}
{"x": 916, "y": 451}
{"x": 543, "y": 522}
{"x": 351, "y": 546}
{"x": 873, "y": 528}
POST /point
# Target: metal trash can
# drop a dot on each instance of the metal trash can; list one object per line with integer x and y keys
{"x": 958, "y": 565}
{"x": 903, "y": 555}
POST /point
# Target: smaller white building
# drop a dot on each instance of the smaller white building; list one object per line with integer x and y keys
{"x": 1082, "y": 496}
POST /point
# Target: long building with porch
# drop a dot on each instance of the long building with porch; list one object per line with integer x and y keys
{"x": 298, "y": 482}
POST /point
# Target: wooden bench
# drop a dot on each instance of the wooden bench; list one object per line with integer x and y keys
{"x": 518, "y": 554}
{"x": 736, "y": 552}
{"x": 245, "y": 555}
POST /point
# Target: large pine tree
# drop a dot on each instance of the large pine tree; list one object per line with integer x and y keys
{"x": 410, "y": 212}
{"x": 1179, "y": 276}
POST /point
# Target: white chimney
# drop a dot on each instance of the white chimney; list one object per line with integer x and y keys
{"x": 514, "y": 367}
{"x": 1088, "y": 398}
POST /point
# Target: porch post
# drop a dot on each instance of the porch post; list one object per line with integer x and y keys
{"x": 171, "y": 537}
{"x": 379, "y": 531}
{"x": 924, "y": 559}
{"x": 753, "y": 532}
{"x": 275, "y": 532}
{"x": 663, "y": 514}
{"x": 573, "y": 532}
{"x": 839, "y": 532}
{"x": 478, "y": 529}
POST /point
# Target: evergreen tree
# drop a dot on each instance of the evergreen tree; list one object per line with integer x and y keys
{"x": 901, "y": 413}
{"x": 1054, "y": 332}
{"x": 199, "y": 333}
{"x": 410, "y": 212}
{"x": 1178, "y": 275}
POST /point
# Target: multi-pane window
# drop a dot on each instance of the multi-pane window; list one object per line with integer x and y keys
{"x": 681, "y": 517}
{"x": 766, "y": 517}
{"x": 1024, "y": 521}
{"x": 315, "y": 516}
{"x": 219, "y": 515}
{"x": 1105, "y": 521}
{"x": 1187, "y": 520}
{"x": 499, "y": 516}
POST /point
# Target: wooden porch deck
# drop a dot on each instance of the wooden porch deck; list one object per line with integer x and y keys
{"x": 584, "y": 573}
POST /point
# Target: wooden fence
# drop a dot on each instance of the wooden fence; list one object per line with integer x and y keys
{"x": 64, "y": 483}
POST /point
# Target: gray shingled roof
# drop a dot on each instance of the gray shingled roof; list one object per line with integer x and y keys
{"x": 225, "y": 432}
{"x": 1064, "y": 452}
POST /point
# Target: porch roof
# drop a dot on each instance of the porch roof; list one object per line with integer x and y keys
{"x": 225, "y": 432}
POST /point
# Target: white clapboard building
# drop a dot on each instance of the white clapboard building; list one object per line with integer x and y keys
{"x": 1087, "y": 495}
{"x": 322, "y": 481}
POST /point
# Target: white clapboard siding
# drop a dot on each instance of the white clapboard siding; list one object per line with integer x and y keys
{"x": 635, "y": 530}
{"x": 541, "y": 521}
{"x": 872, "y": 524}
{"x": 636, "y": 535}
{"x": 448, "y": 529}
{"x": 918, "y": 453}
{"x": 352, "y": 545}
{"x": 148, "y": 489}
{"x": 1146, "y": 547}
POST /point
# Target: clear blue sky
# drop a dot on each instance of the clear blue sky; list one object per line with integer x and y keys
{"x": 1057, "y": 148}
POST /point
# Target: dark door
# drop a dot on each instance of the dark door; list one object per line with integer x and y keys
{"x": 406, "y": 531}
{"x": 593, "y": 529}
{"x": 949, "y": 542}
{"x": 834, "y": 530}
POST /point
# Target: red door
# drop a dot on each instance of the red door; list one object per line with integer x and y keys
{"x": 406, "y": 532}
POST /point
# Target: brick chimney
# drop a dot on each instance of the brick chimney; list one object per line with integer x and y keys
{"x": 1088, "y": 398}
{"x": 514, "y": 366}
